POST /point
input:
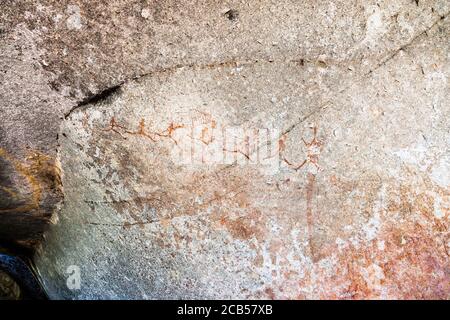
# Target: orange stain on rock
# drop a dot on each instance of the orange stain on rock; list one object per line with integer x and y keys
{"x": 36, "y": 164}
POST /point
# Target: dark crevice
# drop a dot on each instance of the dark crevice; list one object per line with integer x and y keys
{"x": 96, "y": 98}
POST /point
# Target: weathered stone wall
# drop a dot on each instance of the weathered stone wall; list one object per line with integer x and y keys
{"x": 126, "y": 109}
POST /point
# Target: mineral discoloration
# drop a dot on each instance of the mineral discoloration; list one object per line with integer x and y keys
{"x": 28, "y": 190}
{"x": 248, "y": 150}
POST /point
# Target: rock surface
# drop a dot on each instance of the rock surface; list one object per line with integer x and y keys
{"x": 9, "y": 290}
{"x": 238, "y": 149}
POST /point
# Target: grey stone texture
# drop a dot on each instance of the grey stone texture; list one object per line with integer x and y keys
{"x": 115, "y": 130}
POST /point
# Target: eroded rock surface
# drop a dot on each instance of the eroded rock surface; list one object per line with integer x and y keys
{"x": 231, "y": 150}
{"x": 363, "y": 217}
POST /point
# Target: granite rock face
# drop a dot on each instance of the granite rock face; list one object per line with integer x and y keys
{"x": 189, "y": 149}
